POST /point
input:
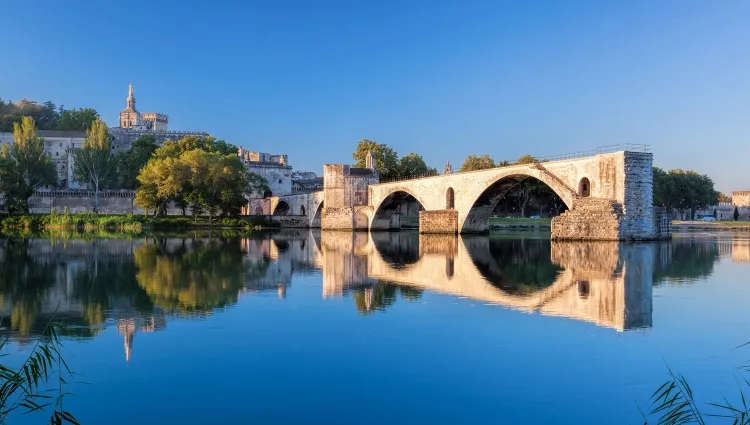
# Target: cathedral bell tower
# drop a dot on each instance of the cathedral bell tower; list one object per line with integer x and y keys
{"x": 130, "y": 117}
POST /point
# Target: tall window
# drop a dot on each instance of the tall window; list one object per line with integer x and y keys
{"x": 449, "y": 199}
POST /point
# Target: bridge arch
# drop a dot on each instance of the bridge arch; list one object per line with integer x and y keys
{"x": 316, "y": 217}
{"x": 384, "y": 212}
{"x": 485, "y": 199}
{"x": 282, "y": 208}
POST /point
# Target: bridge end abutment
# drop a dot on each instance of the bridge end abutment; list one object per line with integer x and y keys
{"x": 630, "y": 216}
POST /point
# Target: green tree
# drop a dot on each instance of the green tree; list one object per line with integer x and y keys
{"x": 724, "y": 198}
{"x": 93, "y": 161}
{"x": 76, "y": 119}
{"x": 386, "y": 159}
{"x": 413, "y": 164}
{"x": 130, "y": 162}
{"x": 736, "y": 214}
{"x": 473, "y": 163}
{"x": 203, "y": 173}
{"x": 24, "y": 166}
{"x": 162, "y": 180}
{"x": 684, "y": 191}
{"x": 526, "y": 159}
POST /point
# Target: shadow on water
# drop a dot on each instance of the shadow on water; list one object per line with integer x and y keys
{"x": 137, "y": 283}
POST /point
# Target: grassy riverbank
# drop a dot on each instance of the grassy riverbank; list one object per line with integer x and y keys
{"x": 711, "y": 225}
{"x": 519, "y": 223}
{"x": 127, "y": 222}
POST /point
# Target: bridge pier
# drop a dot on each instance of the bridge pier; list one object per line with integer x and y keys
{"x": 441, "y": 221}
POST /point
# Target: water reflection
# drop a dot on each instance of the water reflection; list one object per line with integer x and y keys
{"x": 138, "y": 284}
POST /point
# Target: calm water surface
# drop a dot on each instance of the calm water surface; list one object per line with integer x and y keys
{"x": 340, "y": 328}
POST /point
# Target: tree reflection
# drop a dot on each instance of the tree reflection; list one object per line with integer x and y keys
{"x": 27, "y": 296}
{"x": 193, "y": 276}
{"x": 685, "y": 260}
{"x": 103, "y": 285}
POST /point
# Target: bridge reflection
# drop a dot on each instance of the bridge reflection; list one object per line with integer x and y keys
{"x": 605, "y": 283}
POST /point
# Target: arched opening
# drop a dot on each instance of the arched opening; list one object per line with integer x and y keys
{"x": 316, "y": 218}
{"x": 267, "y": 194}
{"x": 516, "y": 266}
{"x": 449, "y": 199}
{"x": 302, "y": 210}
{"x": 282, "y": 208}
{"x": 584, "y": 289}
{"x": 397, "y": 249}
{"x": 259, "y": 211}
{"x": 512, "y": 197}
{"x": 584, "y": 187}
{"x": 399, "y": 210}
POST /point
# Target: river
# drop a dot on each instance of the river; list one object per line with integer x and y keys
{"x": 341, "y": 328}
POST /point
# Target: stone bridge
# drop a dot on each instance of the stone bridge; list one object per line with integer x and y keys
{"x": 609, "y": 197}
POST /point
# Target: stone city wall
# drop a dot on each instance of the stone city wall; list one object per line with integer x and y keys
{"x": 75, "y": 202}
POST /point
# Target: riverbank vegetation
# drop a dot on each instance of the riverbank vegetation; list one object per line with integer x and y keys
{"x": 38, "y": 384}
{"x": 129, "y": 222}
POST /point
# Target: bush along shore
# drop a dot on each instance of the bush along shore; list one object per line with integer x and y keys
{"x": 130, "y": 222}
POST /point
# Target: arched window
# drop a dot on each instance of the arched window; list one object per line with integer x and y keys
{"x": 449, "y": 199}
{"x": 259, "y": 211}
{"x": 584, "y": 187}
{"x": 302, "y": 210}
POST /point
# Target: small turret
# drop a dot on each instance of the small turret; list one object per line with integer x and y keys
{"x": 370, "y": 161}
{"x": 448, "y": 168}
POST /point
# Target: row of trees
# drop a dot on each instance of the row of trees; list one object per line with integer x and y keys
{"x": 685, "y": 191}
{"x": 47, "y": 115}
{"x": 389, "y": 164}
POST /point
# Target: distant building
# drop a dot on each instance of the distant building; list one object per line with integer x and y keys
{"x": 274, "y": 168}
{"x": 306, "y": 181}
{"x": 741, "y": 198}
{"x": 131, "y": 118}
{"x": 134, "y": 124}
{"x": 59, "y": 146}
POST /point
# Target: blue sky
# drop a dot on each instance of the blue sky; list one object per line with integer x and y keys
{"x": 441, "y": 78}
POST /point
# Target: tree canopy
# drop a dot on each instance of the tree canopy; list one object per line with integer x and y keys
{"x": 93, "y": 162}
{"x": 201, "y": 172}
{"x": 386, "y": 159}
{"x": 684, "y": 191}
{"x": 46, "y": 115}
{"x": 24, "y": 166}
{"x": 474, "y": 163}
{"x": 130, "y": 162}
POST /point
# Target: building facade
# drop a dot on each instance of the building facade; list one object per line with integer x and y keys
{"x": 274, "y": 168}
{"x": 741, "y": 198}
